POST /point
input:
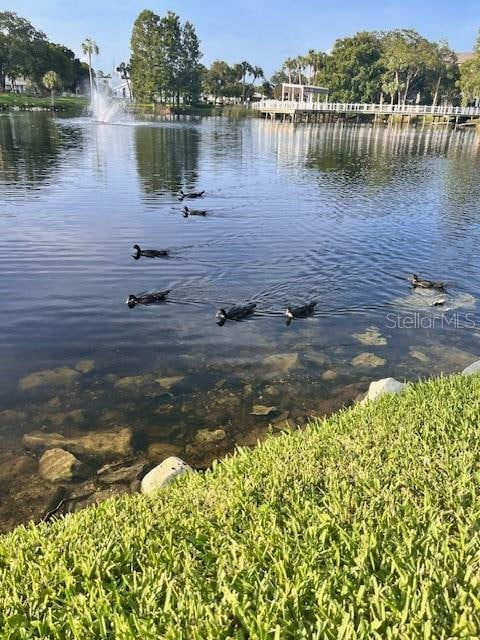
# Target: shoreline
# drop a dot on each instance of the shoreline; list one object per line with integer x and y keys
{"x": 345, "y": 517}
{"x": 75, "y": 470}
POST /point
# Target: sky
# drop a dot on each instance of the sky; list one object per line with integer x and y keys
{"x": 263, "y": 33}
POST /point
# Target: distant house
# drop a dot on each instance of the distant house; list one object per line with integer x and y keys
{"x": 20, "y": 85}
{"x": 113, "y": 84}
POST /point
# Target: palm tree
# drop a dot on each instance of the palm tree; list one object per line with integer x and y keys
{"x": 90, "y": 48}
{"x": 257, "y": 72}
{"x": 51, "y": 81}
{"x": 246, "y": 67}
{"x": 289, "y": 66}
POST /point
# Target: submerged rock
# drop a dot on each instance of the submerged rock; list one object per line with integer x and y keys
{"x": 262, "y": 410}
{"x": 317, "y": 359}
{"x": 206, "y": 438}
{"x": 144, "y": 385}
{"x": 158, "y": 451}
{"x": 13, "y": 465}
{"x": 329, "y": 375}
{"x": 120, "y": 472}
{"x": 206, "y": 446}
{"x": 252, "y": 437}
{"x": 115, "y": 443}
{"x": 11, "y": 416}
{"x": 85, "y": 366}
{"x": 371, "y": 337}
{"x": 163, "y": 474}
{"x": 472, "y": 368}
{"x": 419, "y": 355}
{"x": 369, "y": 360}
{"x": 77, "y": 416}
{"x": 169, "y": 381}
{"x": 61, "y": 377}
{"x": 133, "y": 383}
{"x": 380, "y": 387}
{"x": 58, "y": 465}
{"x": 281, "y": 362}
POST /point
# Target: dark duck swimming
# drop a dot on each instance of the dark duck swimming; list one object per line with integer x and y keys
{"x": 426, "y": 284}
{"x": 192, "y": 194}
{"x": 193, "y": 212}
{"x": 147, "y": 298}
{"x": 302, "y": 311}
{"x": 148, "y": 253}
{"x": 238, "y": 312}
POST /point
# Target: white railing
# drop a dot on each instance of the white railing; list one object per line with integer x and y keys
{"x": 286, "y": 106}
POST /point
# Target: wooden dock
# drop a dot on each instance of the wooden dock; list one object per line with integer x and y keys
{"x": 294, "y": 111}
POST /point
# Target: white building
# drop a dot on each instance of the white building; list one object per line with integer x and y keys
{"x": 303, "y": 93}
{"x": 21, "y": 85}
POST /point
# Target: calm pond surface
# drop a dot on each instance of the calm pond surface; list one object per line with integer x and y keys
{"x": 340, "y": 214}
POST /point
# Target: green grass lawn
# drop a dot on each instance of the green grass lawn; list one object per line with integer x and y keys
{"x": 364, "y": 525}
{"x": 10, "y": 100}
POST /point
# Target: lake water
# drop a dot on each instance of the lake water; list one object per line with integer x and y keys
{"x": 339, "y": 214}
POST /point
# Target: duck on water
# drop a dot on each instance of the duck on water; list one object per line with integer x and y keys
{"x": 193, "y": 212}
{"x": 302, "y": 311}
{"x": 149, "y": 253}
{"x": 426, "y": 284}
{"x": 147, "y": 298}
{"x": 237, "y": 312}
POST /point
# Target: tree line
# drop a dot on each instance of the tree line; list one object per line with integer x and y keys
{"x": 399, "y": 66}
{"x": 25, "y": 51}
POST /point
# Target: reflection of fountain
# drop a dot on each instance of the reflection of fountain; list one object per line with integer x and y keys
{"x": 105, "y": 107}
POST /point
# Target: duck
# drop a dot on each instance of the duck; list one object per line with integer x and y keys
{"x": 149, "y": 253}
{"x": 302, "y": 311}
{"x": 237, "y": 312}
{"x": 193, "y": 212}
{"x": 147, "y": 298}
{"x": 192, "y": 194}
{"x": 425, "y": 284}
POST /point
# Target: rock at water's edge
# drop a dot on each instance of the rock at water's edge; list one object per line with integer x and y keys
{"x": 57, "y": 465}
{"x": 380, "y": 387}
{"x": 472, "y": 368}
{"x": 163, "y": 474}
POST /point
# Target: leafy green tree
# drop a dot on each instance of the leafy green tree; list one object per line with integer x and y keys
{"x": 276, "y": 81}
{"x": 218, "y": 78}
{"x": 51, "y": 81}
{"x": 190, "y": 73}
{"x": 353, "y": 70}
{"x": 144, "y": 62}
{"x": 407, "y": 58}
{"x": 90, "y": 49}
{"x": 469, "y": 83}
{"x": 22, "y": 47}
{"x": 267, "y": 89}
{"x": 169, "y": 55}
{"x": 443, "y": 73}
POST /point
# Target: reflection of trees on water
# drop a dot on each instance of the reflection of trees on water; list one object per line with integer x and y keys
{"x": 31, "y": 146}
{"x": 364, "y": 154}
{"x": 167, "y": 158}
